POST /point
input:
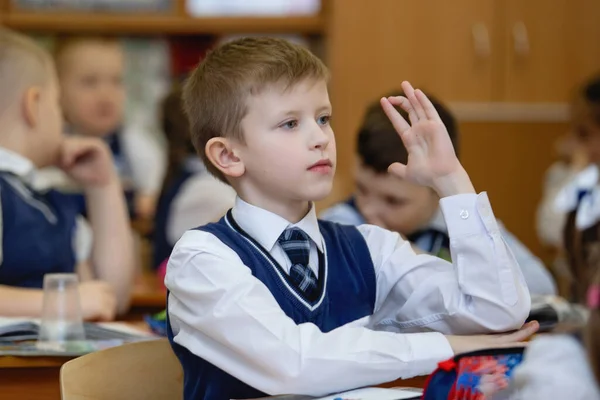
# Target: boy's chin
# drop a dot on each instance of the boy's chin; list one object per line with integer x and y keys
{"x": 319, "y": 193}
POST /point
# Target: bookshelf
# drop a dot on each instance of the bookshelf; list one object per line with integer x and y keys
{"x": 175, "y": 22}
{"x": 155, "y": 24}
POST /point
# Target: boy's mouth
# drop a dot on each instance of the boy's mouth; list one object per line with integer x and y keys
{"x": 323, "y": 166}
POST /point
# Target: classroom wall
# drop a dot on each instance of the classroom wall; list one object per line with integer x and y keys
{"x": 514, "y": 65}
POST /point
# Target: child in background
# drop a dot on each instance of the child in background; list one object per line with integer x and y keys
{"x": 42, "y": 231}
{"x": 550, "y": 222}
{"x": 411, "y": 209}
{"x": 190, "y": 196}
{"x": 556, "y": 366}
{"x": 90, "y": 71}
{"x": 271, "y": 300}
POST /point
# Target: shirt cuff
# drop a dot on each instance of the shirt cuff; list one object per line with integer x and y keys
{"x": 468, "y": 214}
{"x": 428, "y": 350}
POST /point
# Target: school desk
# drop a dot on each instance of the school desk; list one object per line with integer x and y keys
{"x": 35, "y": 378}
{"x": 38, "y": 378}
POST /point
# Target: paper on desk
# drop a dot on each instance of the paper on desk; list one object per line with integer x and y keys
{"x": 377, "y": 394}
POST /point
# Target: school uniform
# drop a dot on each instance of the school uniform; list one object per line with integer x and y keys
{"x": 580, "y": 201}
{"x": 555, "y": 367}
{"x": 192, "y": 198}
{"x": 138, "y": 160}
{"x": 247, "y": 317}
{"x": 41, "y": 231}
{"x": 434, "y": 239}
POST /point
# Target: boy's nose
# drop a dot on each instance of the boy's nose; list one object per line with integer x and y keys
{"x": 321, "y": 138}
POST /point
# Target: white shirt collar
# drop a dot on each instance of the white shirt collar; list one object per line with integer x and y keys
{"x": 265, "y": 227}
{"x": 567, "y": 198}
{"x": 17, "y": 164}
{"x": 585, "y": 183}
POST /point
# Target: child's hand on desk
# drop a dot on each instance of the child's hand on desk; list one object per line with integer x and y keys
{"x": 431, "y": 157}
{"x": 88, "y": 161}
{"x": 98, "y": 301}
{"x": 464, "y": 344}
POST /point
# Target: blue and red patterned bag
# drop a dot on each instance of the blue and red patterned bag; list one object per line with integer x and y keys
{"x": 478, "y": 375}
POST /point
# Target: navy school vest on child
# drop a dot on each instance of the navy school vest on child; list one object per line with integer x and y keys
{"x": 37, "y": 233}
{"x": 346, "y": 292}
{"x": 162, "y": 246}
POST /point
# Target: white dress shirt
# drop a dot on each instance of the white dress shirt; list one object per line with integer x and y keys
{"x": 555, "y": 367}
{"x": 222, "y": 313}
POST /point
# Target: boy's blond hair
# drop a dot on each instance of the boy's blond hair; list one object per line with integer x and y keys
{"x": 23, "y": 63}
{"x": 216, "y": 94}
{"x": 63, "y": 44}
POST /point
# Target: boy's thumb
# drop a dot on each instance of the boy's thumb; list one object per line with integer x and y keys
{"x": 398, "y": 170}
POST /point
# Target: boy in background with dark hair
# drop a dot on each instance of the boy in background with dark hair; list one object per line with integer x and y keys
{"x": 408, "y": 208}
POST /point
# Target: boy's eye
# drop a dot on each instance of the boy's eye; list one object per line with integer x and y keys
{"x": 394, "y": 201}
{"x": 89, "y": 81}
{"x": 290, "y": 124}
{"x": 324, "y": 120}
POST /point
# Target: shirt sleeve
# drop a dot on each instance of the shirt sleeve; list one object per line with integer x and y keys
{"x": 213, "y": 295}
{"x": 538, "y": 278}
{"x": 82, "y": 240}
{"x": 481, "y": 291}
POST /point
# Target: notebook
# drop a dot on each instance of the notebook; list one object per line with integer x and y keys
{"x": 18, "y": 329}
{"x": 369, "y": 393}
{"x": 18, "y": 337}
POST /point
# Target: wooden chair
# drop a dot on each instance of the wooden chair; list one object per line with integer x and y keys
{"x": 143, "y": 370}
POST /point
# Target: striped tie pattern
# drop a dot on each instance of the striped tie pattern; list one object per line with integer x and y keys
{"x": 296, "y": 245}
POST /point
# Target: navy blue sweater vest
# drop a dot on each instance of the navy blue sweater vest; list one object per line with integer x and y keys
{"x": 346, "y": 292}
{"x": 38, "y": 231}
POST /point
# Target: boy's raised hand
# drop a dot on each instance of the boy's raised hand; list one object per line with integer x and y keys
{"x": 431, "y": 157}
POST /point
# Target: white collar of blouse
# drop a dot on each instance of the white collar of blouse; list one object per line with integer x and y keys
{"x": 585, "y": 185}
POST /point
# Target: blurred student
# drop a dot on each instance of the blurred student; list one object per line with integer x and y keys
{"x": 409, "y": 208}
{"x": 91, "y": 72}
{"x": 564, "y": 366}
{"x": 190, "y": 195}
{"x": 41, "y": 230}
{"x": 557, "y": 366}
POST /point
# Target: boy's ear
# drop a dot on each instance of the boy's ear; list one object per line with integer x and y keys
{"x": 30, "y": 106}
{"x": 222, "y": 154}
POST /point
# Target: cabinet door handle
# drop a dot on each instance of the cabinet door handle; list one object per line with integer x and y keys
{"x": 481, "y": 40}
{"x": 520, "y": 39}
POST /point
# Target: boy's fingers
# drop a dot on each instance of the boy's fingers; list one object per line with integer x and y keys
{"x": 394, "y": 116}
{"x": 409, "y": 91}
{"x": 522, "y": 334}
{"x": 403, "y": 103}
{"x": 427, "y": 105}
{"x": 398, "y": 170}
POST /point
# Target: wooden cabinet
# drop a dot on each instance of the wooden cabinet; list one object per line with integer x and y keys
{"x": 373, "y": 45}
{"x": 438, "y": 44}
{"x": 551, "y": 46}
